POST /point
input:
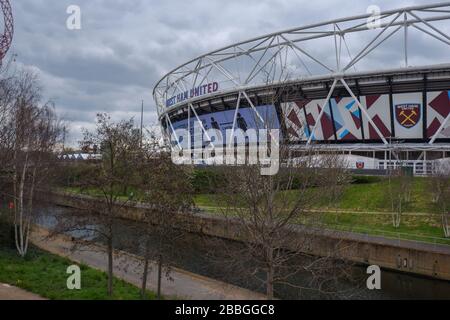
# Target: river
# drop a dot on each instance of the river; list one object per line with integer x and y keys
{"x": 199, "y": 254}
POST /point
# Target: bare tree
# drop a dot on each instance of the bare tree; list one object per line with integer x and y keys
{"x": 271, "y": 213}
{"x": 30, "y": 133}
{"x": 129, "y": 171}
{"x": 167, "y": 194}
{"x": 399, "y": 192}
{"x": 110, "y": 179}
{"x": 334, "y": 167}
{"x": 8, "y": 91}
{"x": 440, "y": 191}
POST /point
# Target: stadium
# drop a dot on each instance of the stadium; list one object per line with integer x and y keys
{"x": 373, "y": 87}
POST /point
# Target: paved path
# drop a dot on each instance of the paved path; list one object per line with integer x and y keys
{"x": 185, "y": 285}
{"x": 207, "y": 209}
{"x": 8, "y": 292}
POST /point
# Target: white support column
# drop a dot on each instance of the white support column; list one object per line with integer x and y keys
{"x": 189, "y": 129}
{"x": 235, "y": 118}
{"x": 421, "y": 156}
{"x": 405, "y": 21}
{"x": 254, "y": 109}
{"x": 260, "y": 117}
{"x": 385, "y": 162}
{"x": 440, "y": 129}
{"x": 322, "y": 111}
{"x": 201, "y": 124}
{"x": 175, "y": 134}
{"x": 364, "y": 111}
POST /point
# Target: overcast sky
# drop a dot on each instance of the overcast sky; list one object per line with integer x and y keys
{"x": 125, "y": 46}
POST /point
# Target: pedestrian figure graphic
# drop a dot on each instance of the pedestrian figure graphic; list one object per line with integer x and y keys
{"x": 242, "y": 124}
{"x": 214, "y": 124}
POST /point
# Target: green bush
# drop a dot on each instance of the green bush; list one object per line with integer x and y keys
{"x": 6, "y": 231}
{"x": 365, "y": 179}
{"x": 208, "y": 180}
{"x": 71, "y": 174}
{"x": 214, "y": 179}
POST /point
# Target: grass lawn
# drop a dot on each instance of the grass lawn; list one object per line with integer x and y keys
{"x": 45, "y": 274}
{"x": 425, "y": 228}
{"x": 374, "y": 197}
{"x": 362, "y": 197}
{"x": 367, "y": 207}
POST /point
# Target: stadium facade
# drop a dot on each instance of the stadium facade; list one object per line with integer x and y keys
{"x": 374, "y": 87}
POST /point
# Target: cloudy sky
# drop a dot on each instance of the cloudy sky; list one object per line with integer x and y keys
{"x": 125, "y": 46}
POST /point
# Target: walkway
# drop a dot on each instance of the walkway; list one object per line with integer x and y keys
{"x": 8, "y": 292}
{"x": 185, "y": 285}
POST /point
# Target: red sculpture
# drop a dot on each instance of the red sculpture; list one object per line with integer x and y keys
{"x": 6, "y": 37}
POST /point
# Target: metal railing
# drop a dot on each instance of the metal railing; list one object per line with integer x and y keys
{"x": 394, "y": 235}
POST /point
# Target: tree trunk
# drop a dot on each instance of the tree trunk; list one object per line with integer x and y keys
{"x": 446, "y": 225}
{"x": 30, "y": 209}
{"x": 110, "y": 266}
{"x": 270, "y": 275}
{"x": 19, "y": 227}
{"x": 145, "y": 272}
{"x": 159, "y": 276}
{"x": 144, "y": 279}
{"x": 269, "y": 291}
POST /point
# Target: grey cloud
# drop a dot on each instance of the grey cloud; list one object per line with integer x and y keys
{"x": 125, "y": 46}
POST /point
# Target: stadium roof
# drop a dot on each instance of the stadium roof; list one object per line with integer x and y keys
{"x": 311, "y": 55}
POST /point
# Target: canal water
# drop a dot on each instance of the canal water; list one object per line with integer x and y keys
{"x": 200, "y": 254}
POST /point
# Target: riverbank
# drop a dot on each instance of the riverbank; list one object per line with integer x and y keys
{"x": 432, "y": 260}
{"x": 128, "y": 267}
{"x": 42, "y": 275}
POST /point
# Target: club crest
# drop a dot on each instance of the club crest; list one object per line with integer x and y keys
{"x": 407, "y": 114}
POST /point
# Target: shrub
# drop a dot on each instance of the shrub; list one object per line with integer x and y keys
{"x": 208, "y": 180}
{"x": 6, "y": 231}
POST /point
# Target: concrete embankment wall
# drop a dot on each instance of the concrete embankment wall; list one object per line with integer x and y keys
{"x": 432, "y": 260}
